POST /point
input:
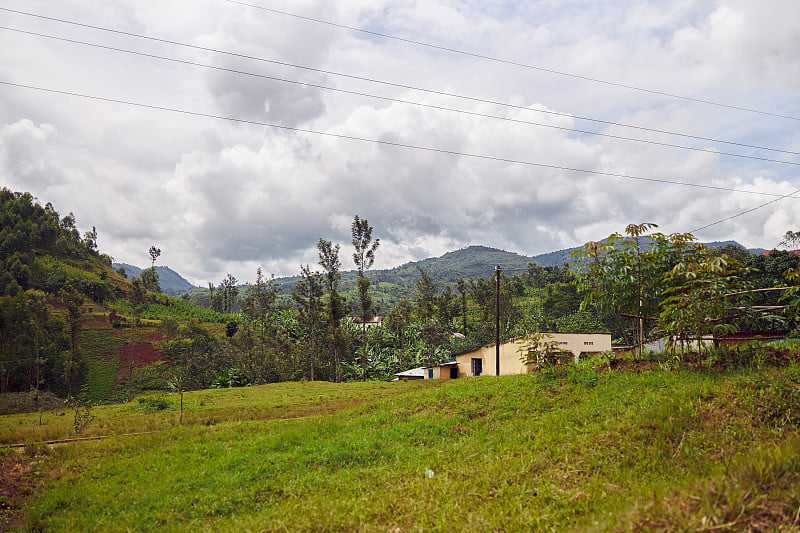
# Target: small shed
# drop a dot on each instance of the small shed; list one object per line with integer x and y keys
{"x": 414, "y": 373}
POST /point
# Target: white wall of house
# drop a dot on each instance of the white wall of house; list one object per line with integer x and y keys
{"x": 510, "y": 354}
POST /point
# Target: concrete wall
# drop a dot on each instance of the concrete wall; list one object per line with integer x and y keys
{"x": 439, "y": 372}
{"x": 510, "y": 363}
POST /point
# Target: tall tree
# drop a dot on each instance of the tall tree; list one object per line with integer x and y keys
{"x": 330, "y": 263}
{"x": 150, "y": 276}
{"x": 363, "y": 257}
{"x": 258, "y": 306}
{"x": 307, "y": 296}
{"x": 425, "y": 295}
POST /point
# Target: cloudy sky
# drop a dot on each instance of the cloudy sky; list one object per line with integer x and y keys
{"x": 271, "y": 130}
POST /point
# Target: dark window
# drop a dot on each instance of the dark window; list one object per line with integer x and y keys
{"x": 477, "y": 366}
{"x": 430, "y": 373}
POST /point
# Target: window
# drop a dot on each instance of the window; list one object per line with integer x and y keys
{"x": 588, "y": 343}
{"x": 430, "y": 373}
{"x": 477, "y": 366}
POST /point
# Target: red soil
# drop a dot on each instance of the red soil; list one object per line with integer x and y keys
{"x": 142, "y": 355}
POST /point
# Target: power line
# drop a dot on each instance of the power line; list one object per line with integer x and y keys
{"x": 385, "y": 142}
{"x": 515, "y": 63}
{"x": 389, "y": 99}
{"x": 791, "y": 195}
{"x": 399, "y": 85}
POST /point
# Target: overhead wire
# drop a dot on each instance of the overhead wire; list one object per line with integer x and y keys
{"x": 399, "y": 85}
{"x": 390, "y": 99}
{"x": 513, "y": 63}
{"x": 383, "y": 82}
{"x": 790, "y": 195}
{"x": 551, "y": 71}
{"x": 383, "y": 141}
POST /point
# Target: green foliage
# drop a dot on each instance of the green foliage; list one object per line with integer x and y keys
{"x": 149, "y": 280}
{"x": 81, "y": 406}
{"x": 171, "y": 307}
{"x": 699, "y": 299}
{"x": 541, "y": 353}
{"x": 153, "y": 405}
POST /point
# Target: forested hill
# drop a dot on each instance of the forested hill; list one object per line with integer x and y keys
{"x": 469, "y": 263}
{"x": 170, "y": 281}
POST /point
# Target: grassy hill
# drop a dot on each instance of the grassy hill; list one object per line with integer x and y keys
{"x": 606, "y": 446}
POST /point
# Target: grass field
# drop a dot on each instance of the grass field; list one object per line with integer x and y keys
{"x": 577, "y": 449}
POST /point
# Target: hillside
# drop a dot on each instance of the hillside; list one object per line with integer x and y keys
{"x": 171, "y": 282}
{"x": 69, "y": 322}
{"x": 589, "y": 448}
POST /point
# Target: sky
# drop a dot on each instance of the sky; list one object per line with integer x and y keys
{"x": 235, "y": 135}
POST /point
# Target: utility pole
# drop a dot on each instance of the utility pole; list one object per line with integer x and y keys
{"x": 497, "y": 322}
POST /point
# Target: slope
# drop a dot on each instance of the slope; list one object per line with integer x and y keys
{"x": 578, "y": 448}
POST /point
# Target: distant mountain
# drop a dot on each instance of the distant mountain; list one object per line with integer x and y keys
{"x": 393, "y": 284}
{"x": 171, "y": 282}
{"x": 472, "y": 262}
{"x": 560, "y": 257}
{"x": 723, "y": 244}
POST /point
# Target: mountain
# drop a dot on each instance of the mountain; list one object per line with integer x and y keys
{"x": 560, "y": 257}
{"x": 393, "y": 284}
{"x": 171, "y": 282}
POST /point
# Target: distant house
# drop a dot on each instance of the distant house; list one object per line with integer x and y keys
{"x": 414, "y": 373}
{"x": 375, "y": 321}
{"x": 481, "y": 361}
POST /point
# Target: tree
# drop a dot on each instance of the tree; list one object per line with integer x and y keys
{"x": 258, "y": 306}
{"x": 363, "y": 257}
{"x": 624, "y": 276}
{"x": 149, "y": 280}
{"x": 154, "y": 254}
{"x": 149, "y": 276}
{"x": 178, "y": 357}
{"x": 307, "y": 296}
{"x": 90, "y": 240}
{"x": 330, "y": 263}
{"x": 425, "y": 295}
{"x": 699, "y": 301}
{"x": 228, "y": 294}
{"x": 791, "y": 240}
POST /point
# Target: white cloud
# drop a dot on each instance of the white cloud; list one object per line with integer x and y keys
{"x": 219, "y": 196}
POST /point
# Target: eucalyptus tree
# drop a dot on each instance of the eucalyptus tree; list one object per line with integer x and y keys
{"x": 363, "y": 257}
{"x": 257, "y": 307}
{"x": 150, "y": 276}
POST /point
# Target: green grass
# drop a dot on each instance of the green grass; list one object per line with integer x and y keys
{"x": 201, "y": 409}
{"x": 575, "y": 449}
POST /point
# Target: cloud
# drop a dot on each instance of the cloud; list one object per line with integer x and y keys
{"x": 219, "y": 196}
